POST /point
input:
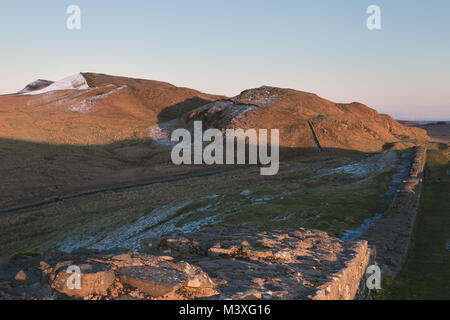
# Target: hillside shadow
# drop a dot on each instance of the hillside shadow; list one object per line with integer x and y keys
{"x": 39, "y": 172}
{"x": 179, "y": 109}
{"x": 39, "y": 179}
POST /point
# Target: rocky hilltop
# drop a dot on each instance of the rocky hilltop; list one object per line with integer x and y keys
{"x": 35, "y": 86}
{"x": 307, "y": 121}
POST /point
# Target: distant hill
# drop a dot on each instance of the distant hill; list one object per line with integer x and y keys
{"x": 439, "y": 131}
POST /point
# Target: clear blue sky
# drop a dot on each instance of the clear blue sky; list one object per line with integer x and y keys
{"x": 225, "y": 47}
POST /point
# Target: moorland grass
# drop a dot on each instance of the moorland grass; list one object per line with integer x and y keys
{"x": 426, "y": 272}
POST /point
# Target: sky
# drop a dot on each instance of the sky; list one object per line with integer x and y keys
{"x": 225, "y": 47}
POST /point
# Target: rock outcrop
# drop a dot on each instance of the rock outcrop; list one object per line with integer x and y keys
{"x": 35, "y": 86}
{"x": 306, "y": 120}
{"x": 218, "y": 263}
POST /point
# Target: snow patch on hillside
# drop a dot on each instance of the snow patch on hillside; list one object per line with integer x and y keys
{"x": 228, "y": 109}
{"x": 263, "y": 95}
{"x": 160, "y": 133}
{"x": 89, "y": 103}
{"x": 74, "y": 82}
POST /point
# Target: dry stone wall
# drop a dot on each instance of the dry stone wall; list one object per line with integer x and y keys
{"x": 219, "y": 263}
{"x": 391, "y": 234}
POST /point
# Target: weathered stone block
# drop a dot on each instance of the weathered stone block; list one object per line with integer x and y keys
{"x": 96, "y": 279}
{"x": 153, "y": 281}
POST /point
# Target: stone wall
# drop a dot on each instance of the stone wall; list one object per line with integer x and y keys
{"x": 286, "y": 264}
{"x": 347, "y": 283}
{"x": 391, "y": 235}
{"x": 236, "y": 263}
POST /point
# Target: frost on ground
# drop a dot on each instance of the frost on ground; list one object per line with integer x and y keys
{"x": 366, "y": 168}
{"x": 160, "y": 133}
{"x": 159, "y": 222}
{"x": 190, "y": 216}
{"x": 264, "y": 199}
{"x": 163, "y": 221}
{"x": 75, "y": 82}
{"x": 246, "y": 192}
{"x": 352, "y": 235}
{"x": 401, "y": 169}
